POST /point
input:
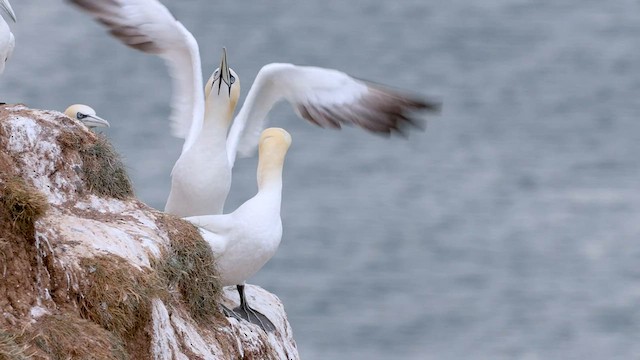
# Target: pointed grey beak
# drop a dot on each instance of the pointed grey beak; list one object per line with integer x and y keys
{"x": 4, "y": 4}
{"x": 225, "y": 74}
{"x": 93, "y": 121}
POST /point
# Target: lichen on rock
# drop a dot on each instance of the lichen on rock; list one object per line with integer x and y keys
{"x": 89, "y": 271}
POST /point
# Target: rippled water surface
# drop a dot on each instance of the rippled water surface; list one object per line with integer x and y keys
{"x": 509, "y": 229}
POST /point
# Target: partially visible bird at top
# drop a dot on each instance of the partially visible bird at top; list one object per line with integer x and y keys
{"x": 86, "y": 115}
{"x": 201, "y": 178}
{"x": 7, "y": 40}
{"x": 244, "y": 240}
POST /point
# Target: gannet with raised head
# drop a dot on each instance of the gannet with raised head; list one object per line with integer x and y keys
{"x": 325, "y": 97}
{"x": 7, "y": 40}
{"x": 244, "y": 240}
{"x": 86, "y": 115}
{"x": 201, "y": 177}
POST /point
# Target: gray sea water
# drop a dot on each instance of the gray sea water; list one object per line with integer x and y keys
{"x": 508, "y": 230}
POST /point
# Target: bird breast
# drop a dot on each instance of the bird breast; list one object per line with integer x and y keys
{"x": 200, "y": 180}
{"x": 251, "y": 245}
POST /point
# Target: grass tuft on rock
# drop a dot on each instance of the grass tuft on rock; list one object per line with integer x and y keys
{"x": 11, "y": 349}
{"x": 23, "y": 205}
{"x": 62, "y": 337}
{"x": 102, "y": 169}
{"x": 117, "y": 295}
{"x": 189, "y": 266}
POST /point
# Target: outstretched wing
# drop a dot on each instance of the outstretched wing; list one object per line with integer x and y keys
{"x": 148, "y": 26}
{"x": 325, "y": 97}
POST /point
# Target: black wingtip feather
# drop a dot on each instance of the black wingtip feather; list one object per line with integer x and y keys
{"x": 382, "y": 111}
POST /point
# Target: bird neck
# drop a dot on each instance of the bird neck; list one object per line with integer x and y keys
{"x": 217, "y": 118}
{"x": 270, "y": 173}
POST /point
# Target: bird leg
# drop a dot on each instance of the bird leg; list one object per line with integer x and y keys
{"x": 244, "y": 311}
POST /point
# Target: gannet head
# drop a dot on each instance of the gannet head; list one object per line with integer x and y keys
{"x": 86, "y": 115}
{"x": 223, "y": 88}
{"x": 4, "y": 4}
{"x": 275, "y": 138}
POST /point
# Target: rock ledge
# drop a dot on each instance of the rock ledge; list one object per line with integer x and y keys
{"x": 88, "y": 271}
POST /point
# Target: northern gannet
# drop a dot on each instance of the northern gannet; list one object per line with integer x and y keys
{"x": 325, "y": 97}
{"x": 244, "y": 240}
{"x": 86, "y": 115}
{"x": 7, "y": 40}
{"x": 201, "y": 177}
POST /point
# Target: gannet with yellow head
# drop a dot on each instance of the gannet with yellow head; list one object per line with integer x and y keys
{"x": 325, "y": 97}
{"x": 244, "y": 240}
{"x": 86, "y": 115}
{"x": 7, "y": 40}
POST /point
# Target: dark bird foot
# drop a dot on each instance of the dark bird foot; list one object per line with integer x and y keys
{"x": 247, "y": 313}
{"x": 255, "y": 317}
{"x": 229, "y": 313}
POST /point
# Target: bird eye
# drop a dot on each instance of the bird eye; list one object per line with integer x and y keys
{"x": 232, "y": 79}
{"x": 81, "y": 116}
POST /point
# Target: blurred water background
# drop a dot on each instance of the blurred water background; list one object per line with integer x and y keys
{"x": 509, "y": 229}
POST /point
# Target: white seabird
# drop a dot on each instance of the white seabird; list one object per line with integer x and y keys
{"x": 7, "y": 40}
{"x": 244, "y": 240}
{"x": 201, "y": 178}
{"x": 86, "y": 115}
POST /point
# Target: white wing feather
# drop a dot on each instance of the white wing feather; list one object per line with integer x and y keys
{"x": 325, "y": 97}
{"x": 148, "y": 26}
{"x": 215, "y": 229}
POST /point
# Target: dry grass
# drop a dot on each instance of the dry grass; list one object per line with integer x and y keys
{"x": 10, "y": 349}
{"x": 23, "y": 205}
{"x": 189, "y": 266}
{"x": 104, "y": 172}
{"x": 118, "y": 296}
{"x": 102, "y": 169}
{"x": 70, "y": 337}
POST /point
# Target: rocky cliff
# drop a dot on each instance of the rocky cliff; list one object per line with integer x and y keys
{"x": 88, "y": 271}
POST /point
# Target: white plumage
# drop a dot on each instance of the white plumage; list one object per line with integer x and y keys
{"x": 325, "y": 97}
{"x": 244, "y": 240}
{"x": 7, "y": 40}
{"x": 201, "y": 179}
{"x": 148, "y": 26}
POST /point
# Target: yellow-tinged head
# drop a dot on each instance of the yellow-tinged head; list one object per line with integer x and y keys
{"x": 86, "y": 115}
{"x": 275, "y": 138}
{"x": 272, "y": 148}
{"x": 222, "y": 91}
